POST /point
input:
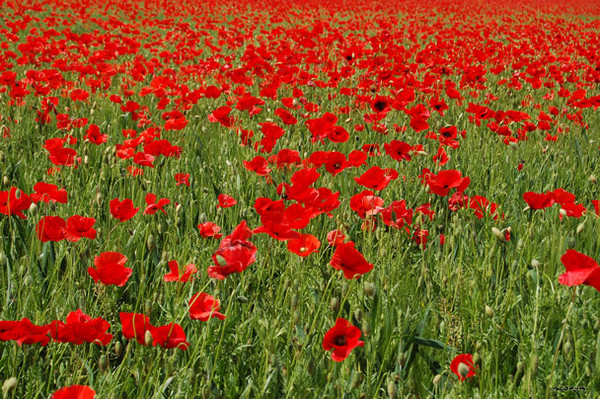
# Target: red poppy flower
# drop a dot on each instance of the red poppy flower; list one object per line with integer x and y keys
{"x": 210, "y": 230}
{"x": 122, "y": 210}
{"x": 110, "y": 269}
{"x": 376, "y": 178}
{"x": 335, "y": 237}
{"x": 48, "y": 192}
{"x": 135, "y": 325}
{"x": 398, "y": 150}
{"x": 235, "y": 253}
{"x": 93, "y": 135}
{"x": 74, "y": 392}
{"x": 182, "y": 178}
{"x": 10, "y": 204}
{"x": 304, "y": 245}
{"x": 581, "y": 269}
{"x": 24, "y": 332}
{"x": 143, "y": 159}
{"x": 366, "y": 204}
{"x": 152, "y": 205}
{"x": 51, "y": 228}
{"x": 347, "y": 258}
{"x": 539, "y": 201}
{"x": 169, "y": 336}
{"x": 78, "y": 227}
{"x": 342, "y": 338}
{"x": 445, "y": 180}
{"x": 226, "y": 201}
{"x": 336, "y": 162}
{"x": 467, "y": 360}
{"x": 203, "y": 306}
{"x": 257, "y": 165}
{"x": 81, "y": 328}
{"x": 175, "y": 276}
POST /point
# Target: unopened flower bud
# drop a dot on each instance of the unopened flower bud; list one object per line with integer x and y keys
{"x": 103, "y": 363}
{"x": 369, "y": 288}
{"x": 6, "y": 182}
{"x": 489, "y": 312}
{"x": 580, "y": 228}
{"x": 334, "y": 304}
{"x": 221, "y": 260}
{"x": 148, "y": 338}
{"x": 535, "y": 263}
{"x": 593, "y": 179}
{"x": 499, "y": 234}
{"x": 9, "y": 385}
{"x": 118, "y": 348}
{"x": 571, "y": 242}
{"x": 392, "y": 390}
{"x": 437, "y": 379}
{"x": 463, "y": 369}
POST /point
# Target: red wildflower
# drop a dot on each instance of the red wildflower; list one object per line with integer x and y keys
{"x": 81, "y": 328}
{"x": 210, "y": 230}
{"x": 135, "y": 325}
{"x": 182, "y": 178}
{"x": 153, "y": 205}
{"x": 203, "y": 306}
{"x": 24, "y": 332}
{"x": 48, "y": 192}
{"x": 51, "y": 228}
{"x": 539, "y": 201}
{"x": 342, "y": 338}
{"x": 257, "y": 165}
{"x": 304, "y": 245}
{"x": 226, "y": 201}
{"x": 10, "y": 204}
{"x": 74, "y": 392}
{"x": 78, "y": 227}
{"x": 398, "y": 150}
{"x": 169, "y": 336}
{"x": 376, "y": 178}
{"x": 347, "y": 258}
{"x": 234, "y": 254}
{"x": 445, "y": 180}
{"x": 581, "y": 269}
{"x": 110, "y": 269}
{"x": 467, "y": 360}
{"x": 335, "y": 237}
{"x": 122, "y": 210}
{"x": 366, "y": 203}
{"x": 175, "y": 276}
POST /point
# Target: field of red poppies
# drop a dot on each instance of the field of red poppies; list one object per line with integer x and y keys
{"x": 299, "y": 199}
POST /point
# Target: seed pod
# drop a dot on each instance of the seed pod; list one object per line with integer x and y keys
{"x": 392, "y": 390}
{"x": 148, "y": 338}
{"x": 334, "y": 304}
{"x": 103, "y": 363}
{"x": 9, "y": 385}
{"x": 369, "y": 288}
{"x": 118, "y": 348}
{"x": 151, "y": 242}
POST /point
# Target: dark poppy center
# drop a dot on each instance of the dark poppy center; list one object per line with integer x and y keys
{"x": 337, "y": 165}
{"x": 379, "y": 105}
{"x": 341, "y": 340}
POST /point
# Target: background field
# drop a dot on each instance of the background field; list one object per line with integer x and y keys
{"x": 420, "y": 306}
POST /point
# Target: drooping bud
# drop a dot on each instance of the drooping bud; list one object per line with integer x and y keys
{"x": 9, "y": 385}
{"x": 489, "y": 312}
{"x": 148, "y": 338}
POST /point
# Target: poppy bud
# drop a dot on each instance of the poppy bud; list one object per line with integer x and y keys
{"x": 296, "y": 316}
{"x": 86, "y": 160}
{"x": 437, "y": 379}
{"x": 520, "y": 244}
{"x": 463, "y": 370}
{"x": 118, "y": 348}
{"x": 593, "y": 179}
{"x": 151, "y": 242}
{"x": 369, "y": 288}
{"x": 489, "y": 311}
{"x": 9, "y": 385}
{"x": 242, "y": 299}
{"x": 535, "y": 363}
{"x": 535, "y": 263}
{"x": 345, "y": 288}
{"x": 222, "y": 261}
{"x": 358, "y": 315}
{"x": 401, "y": 360}
{"x": 571, "y": 242}
{"x": 178, "y": 208}
{"x": 334, "y": 304}
{"x": 580, "y": 228}
{"x": 392, "y": 390}
{"x": 103, "y": 363}
{"x": 499, "y": 234}
{"x": 148, "y": 338}
{"x": 6, "y": 182}
{"x": 513, "y": 145}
